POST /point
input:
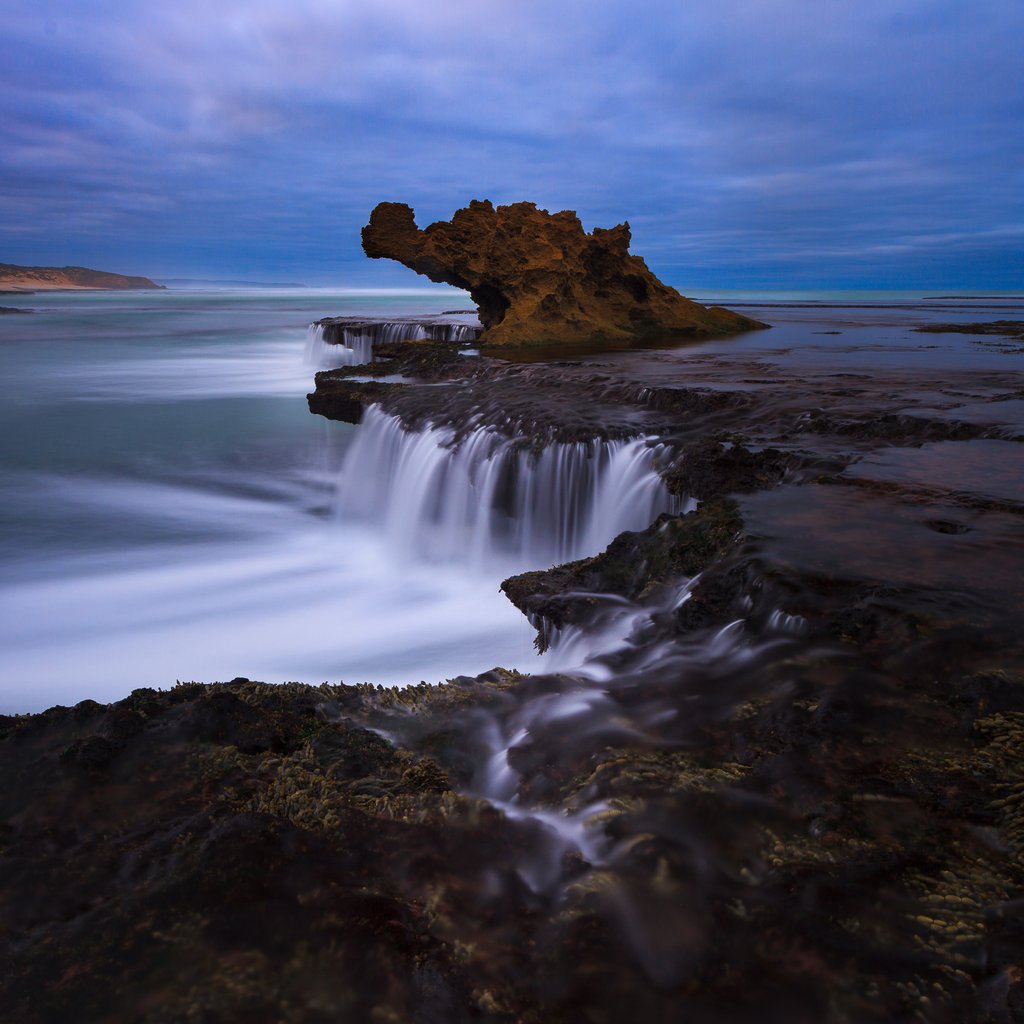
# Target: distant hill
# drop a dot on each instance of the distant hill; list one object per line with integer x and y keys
{"x": 39, "y": 279}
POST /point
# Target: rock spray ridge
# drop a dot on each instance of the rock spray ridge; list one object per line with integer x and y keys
{"x": 538, "y": 278}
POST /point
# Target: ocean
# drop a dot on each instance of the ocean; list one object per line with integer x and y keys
{"x": 171, "y": 510}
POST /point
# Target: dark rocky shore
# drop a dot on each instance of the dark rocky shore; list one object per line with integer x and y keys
{"x": 801, "y": 779}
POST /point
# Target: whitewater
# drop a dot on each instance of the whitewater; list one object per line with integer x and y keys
{"x": 169, "y": 508}
{"x": 172, "y": 511}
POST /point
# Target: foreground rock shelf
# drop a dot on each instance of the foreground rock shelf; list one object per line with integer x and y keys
{"x": 834, "y": 836}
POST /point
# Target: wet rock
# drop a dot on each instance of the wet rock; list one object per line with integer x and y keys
{"x": 425, "y": 360}
{"x": 687, "y": 403}
{"x": 190, "y": 873}
{"x": 895, "y": 428}
{"x": 710, "y": 469}
{"x": 949, "y": 526}
{"x": 352, "y": 752}
{"x": 426, "y": 776}
{"x": 338, "y": 398}
{"x": 1007, "y": 328}
{"x": 85, "y": 709}
{"x": 673, "y": 548}
{"x": 121, "y": 724}
{"x": 90, "y": 754}
{"x": 539, "y": 278}
{"x": 145, "y": 700}
{"x": 221, "y": 716}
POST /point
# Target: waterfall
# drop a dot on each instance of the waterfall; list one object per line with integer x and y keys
{"x": 480, "y": 498}
{"x": 352, "y": 343}
{"x": 354, "y": 350}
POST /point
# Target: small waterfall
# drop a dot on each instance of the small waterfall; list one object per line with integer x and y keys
{"x": 481, "y": 497}
{"x": 355, "y": 350}
{"x": 460, "y": 334}
{"x": 352, "y": 343}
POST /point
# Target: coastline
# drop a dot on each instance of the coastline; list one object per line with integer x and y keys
{"x": 12, "y": 287}
{"x": 18, "y": 279}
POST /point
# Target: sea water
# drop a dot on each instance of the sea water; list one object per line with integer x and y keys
{"x": 171, "y": 510}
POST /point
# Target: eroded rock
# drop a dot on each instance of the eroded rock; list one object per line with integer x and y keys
{"x": 539, "y": 278}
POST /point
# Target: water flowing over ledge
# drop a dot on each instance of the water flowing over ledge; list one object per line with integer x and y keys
{"x": 351, "y": 342}
{"x": 484, "y": 500}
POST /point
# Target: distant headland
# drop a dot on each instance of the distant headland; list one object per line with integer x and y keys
{"x": 38, "y": 279}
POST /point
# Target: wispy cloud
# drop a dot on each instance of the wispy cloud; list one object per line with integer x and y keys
{"x": 751, "y": 139}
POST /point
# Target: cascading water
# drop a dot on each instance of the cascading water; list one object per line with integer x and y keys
{"x": 351, "y": 344}
{"x": 354, "y": 351}
{"x": 481, "y": 498}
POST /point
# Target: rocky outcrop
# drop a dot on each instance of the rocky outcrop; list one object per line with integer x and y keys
{"x": 14, "y": 278}
{"x": 337, "y": 398}
{"x": 538, "y": 278}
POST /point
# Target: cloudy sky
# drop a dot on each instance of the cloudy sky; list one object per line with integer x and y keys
{"x": 749, "y": 143}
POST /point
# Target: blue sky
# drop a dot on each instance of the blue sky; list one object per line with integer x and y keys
{"x": 750, "y": 143}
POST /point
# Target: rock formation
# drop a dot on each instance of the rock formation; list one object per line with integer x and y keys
{"x": 539, "y": 278}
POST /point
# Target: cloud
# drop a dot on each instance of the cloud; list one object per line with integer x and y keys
{"x": 742, "y": 137}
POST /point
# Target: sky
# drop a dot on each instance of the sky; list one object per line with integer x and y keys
{"x": 749, "y": 143}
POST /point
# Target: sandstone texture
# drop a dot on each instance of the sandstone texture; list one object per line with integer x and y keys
{"x": 538, "y": 278}
{"x": 16, "y": 279}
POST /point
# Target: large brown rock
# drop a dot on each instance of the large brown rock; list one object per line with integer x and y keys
{"x": 539, "y": 278}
